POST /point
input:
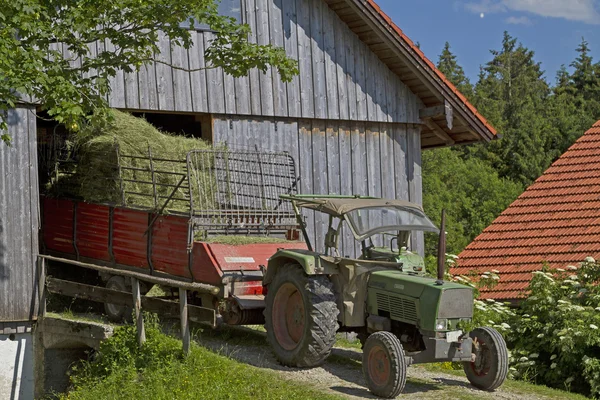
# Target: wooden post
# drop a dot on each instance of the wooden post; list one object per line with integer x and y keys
{"x": 185, "y": 327}
{"x": 42, "y": 287}
{"x": 137, "y": 306}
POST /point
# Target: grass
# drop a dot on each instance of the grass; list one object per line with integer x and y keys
{"x": 159, "y": 371}
{"x": 513, "y": 386}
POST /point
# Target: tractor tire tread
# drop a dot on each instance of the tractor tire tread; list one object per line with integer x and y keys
{"x": 500, "y": 349}
{"x": 314, "y": 349}
{"x": 398, "y": 363}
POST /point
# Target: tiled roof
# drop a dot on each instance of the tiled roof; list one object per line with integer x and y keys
{"x": 432, "y": 66}
{"x": 556, "y": 220}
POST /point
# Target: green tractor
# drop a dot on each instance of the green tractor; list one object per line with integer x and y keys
{"x": 402, "y": 315}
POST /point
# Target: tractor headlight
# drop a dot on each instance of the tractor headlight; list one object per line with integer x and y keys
{"x": 441, "y": 324}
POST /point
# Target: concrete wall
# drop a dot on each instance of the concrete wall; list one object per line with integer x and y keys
{"x": 16, "y": 366}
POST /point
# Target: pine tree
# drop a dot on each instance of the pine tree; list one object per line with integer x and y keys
{"x": 448, "y": 64}
{"x": 512, "y": 93}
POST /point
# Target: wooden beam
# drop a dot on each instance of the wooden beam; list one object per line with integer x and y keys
{"x": 442, "y": 110}
{"x": 432, "y": 112}
{"x": 185, "y": 326}
{"x": 165, "y": 308}
{"x": 439, "y": 132}
{"x": 137, "y": 307}
{"x": 199, "y": 287}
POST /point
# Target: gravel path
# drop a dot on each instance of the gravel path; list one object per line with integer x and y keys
{"x": 342, "y": 373}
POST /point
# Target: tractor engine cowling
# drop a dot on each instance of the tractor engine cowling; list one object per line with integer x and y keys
{"x": 419, "y": 301}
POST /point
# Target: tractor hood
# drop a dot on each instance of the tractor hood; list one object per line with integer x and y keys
{"x": 419, "y": 300}
{"x": 408, "y": 284}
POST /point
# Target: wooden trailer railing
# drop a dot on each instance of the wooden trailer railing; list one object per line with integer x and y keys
{"x": 164, "y": 308}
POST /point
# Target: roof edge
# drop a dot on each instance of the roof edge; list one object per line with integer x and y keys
{"x": 487, "y": 130}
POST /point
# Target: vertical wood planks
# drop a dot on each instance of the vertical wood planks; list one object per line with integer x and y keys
{"x": 320, "y": 178}
{"x": 290, "y": 33}
{"x": 400, "y": 162}
{"x": 303, "y": 14}
{"x": 318, "y": 58}
{"x": 386, "y": 157}
{"x": 305, "y": 160}
{"x": 361, "y": 83}
{"x": 346, "y": 173}
{"x": 215, "y": 83}
{"x": 263, "y": 37}
{"x": 19, "y": 220}
{"x": 181, "y": 79}
{"x": 276, "y": 27}
{"x": 255, "y": 95}
{"x": 330, "y": 58}
{"x": 414, "y": 180}
{"x": 116, "y": 97}
{"x": 340, "y": 58}
{"x": 147, "y": 87}
{"x": 164, "y": 75}
{"x": 333, "y": 155}
{"x": 198, "y": 74}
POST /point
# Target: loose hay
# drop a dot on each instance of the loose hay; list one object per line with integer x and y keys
{"x": 95, "y": 178}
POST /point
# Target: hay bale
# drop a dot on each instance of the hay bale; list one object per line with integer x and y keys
{"x": 96, "y": 177}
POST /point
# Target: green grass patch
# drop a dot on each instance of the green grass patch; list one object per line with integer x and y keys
{"x": 158, "y": 370}
{"x": 513, "y": 386}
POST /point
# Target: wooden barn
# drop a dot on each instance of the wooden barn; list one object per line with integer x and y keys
{"x": 366, "y": 102}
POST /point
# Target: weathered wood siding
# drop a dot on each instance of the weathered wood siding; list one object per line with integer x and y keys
{"x": 340, "y": 78}
{"x": 19, "y": 219}
{"x": 333, "y": 157}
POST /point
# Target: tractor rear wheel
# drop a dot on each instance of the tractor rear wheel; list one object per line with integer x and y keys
{"x": 115, "y": 312}
{"x": 300, "y": 317}
{"x": 384, "y": 365}
{"x": 489, "y": 367}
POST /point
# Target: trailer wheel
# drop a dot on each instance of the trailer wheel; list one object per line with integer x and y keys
{"x": 300, "y": 317}
{"x": 115, "y": 312}
{"x": 489, "y": 367}
{"x": 384, "y": 365}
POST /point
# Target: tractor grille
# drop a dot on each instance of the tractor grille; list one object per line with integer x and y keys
{"x": 398, "y": 307}
{"x": 456, "y": 303}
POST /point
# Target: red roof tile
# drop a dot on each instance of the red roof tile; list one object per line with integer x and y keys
{"x": 432, "y": 66}
{"x": 555, "y": 221}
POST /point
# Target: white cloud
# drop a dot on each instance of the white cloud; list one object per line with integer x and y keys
{"x": 586, "y": 11}
{"x": 518, "y": 20}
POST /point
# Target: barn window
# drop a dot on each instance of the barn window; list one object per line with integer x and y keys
{"x": 230, "y": 8}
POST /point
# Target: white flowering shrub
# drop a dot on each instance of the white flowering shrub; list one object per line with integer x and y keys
{"x": 555, "y": 335}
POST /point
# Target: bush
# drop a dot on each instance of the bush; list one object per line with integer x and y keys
{"x": 554, "y": 335}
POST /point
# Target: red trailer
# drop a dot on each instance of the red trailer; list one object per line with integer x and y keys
{"x": 218, "y": 192}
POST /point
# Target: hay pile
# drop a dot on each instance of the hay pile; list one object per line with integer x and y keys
{"x": 95, "y": 176}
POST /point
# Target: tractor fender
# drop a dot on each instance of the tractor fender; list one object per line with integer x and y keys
{"x": 313, "y": 263}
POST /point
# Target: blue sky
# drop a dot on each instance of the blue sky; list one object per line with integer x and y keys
{"x": 552, "y": 28}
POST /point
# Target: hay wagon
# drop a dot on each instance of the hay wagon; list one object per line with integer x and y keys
{"x": 211, "y": 219}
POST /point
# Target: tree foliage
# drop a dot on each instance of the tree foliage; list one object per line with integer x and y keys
{"x": 536, "y": 122}
{"x": 48, "y": 51}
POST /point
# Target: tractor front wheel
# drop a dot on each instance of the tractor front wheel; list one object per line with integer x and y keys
{"x": 300, "y": 317}
{"x": 489, "y": 367}
{"x": 384, "y": 365}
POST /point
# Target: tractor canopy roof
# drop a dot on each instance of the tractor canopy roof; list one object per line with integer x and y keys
{"x": 368, "y": 215}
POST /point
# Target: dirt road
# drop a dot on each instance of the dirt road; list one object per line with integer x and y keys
{"x": 342, "y": 373}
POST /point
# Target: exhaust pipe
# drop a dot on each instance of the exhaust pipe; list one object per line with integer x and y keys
{"x": 442, "y": 251}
